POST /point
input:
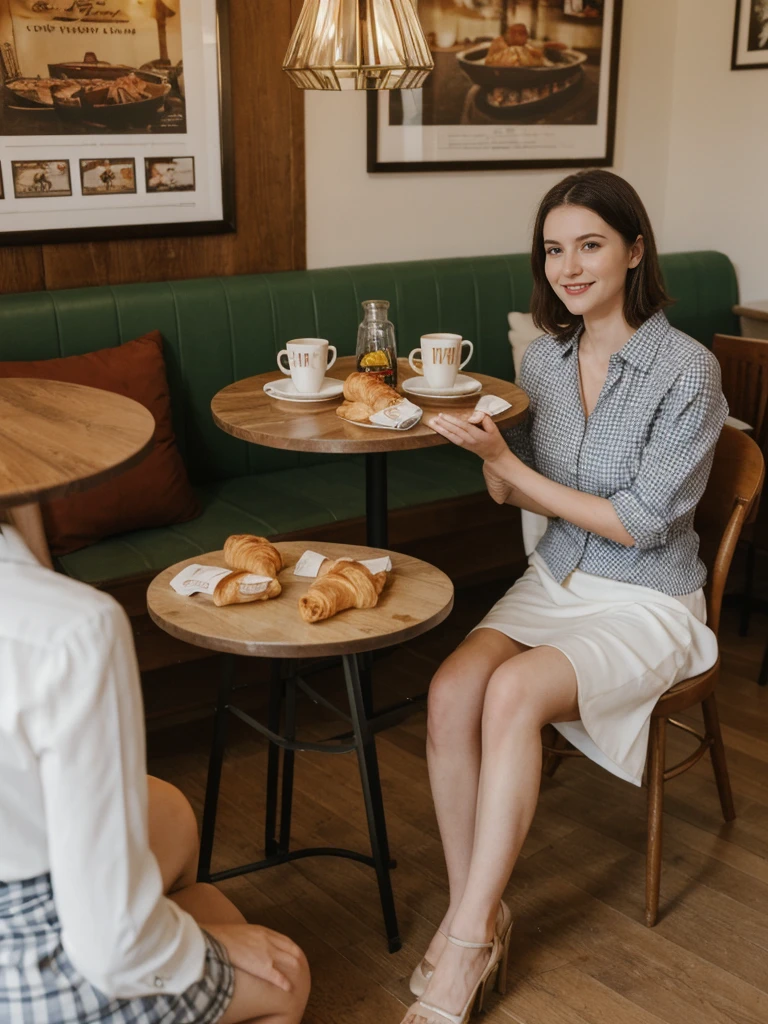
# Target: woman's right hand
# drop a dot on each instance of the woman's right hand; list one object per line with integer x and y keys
{"x": 259, "y": 951}
{"x": 498, "y": 488}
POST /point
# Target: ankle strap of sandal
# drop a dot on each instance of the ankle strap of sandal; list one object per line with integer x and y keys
{"x": 470, "y": 945}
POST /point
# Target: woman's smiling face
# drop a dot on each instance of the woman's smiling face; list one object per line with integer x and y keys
{"x": 587, "y": 260}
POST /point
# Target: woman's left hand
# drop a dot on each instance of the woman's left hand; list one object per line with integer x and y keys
{"x": 477, "y": 433}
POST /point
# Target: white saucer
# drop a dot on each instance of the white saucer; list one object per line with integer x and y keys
{"x": 286, "y": 391}
{"x": 464, "y": 386}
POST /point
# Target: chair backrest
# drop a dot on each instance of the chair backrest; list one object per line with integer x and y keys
{"x": 734, "y": 487}
{"x": 744, "y": 365}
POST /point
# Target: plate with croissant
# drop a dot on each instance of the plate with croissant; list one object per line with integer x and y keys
{"x": 369, "y": 402}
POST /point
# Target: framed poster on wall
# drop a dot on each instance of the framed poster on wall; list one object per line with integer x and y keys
{"x": 750, "y": 35}
{"x": 114, "y": 120}
{"x": 516, "y": 84}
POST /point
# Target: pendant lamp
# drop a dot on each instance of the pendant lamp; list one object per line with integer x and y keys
{"x": 358, "y": 44}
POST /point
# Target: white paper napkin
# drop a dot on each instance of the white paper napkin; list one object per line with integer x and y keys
{"x": 492, "y": 404}
{"x": 310, "y": 562}
{"x": 401, "y": 416}
{"x": 202, "y": 579}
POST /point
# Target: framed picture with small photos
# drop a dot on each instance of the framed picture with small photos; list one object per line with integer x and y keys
{"x": 102, "y": 133}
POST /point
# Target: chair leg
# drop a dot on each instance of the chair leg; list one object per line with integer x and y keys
{"x": 552, "y": 759}
{"x": 749, "y": 586}
{"x": 656, "y": 753}
{"x": 717, "y": 750}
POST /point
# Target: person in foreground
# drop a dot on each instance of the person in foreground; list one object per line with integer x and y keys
{"x": 101, "y": 919}
{"x": 625, "y": 413}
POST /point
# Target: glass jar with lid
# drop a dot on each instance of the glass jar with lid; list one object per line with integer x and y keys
{"x": 376, "y": 346}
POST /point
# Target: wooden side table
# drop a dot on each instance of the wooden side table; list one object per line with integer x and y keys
{"x": 417, "y": 597}
{"x": 58, "y": 438}
{"x": 245, "y": 411}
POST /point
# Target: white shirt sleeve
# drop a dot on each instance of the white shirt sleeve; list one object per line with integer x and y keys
{"x": 118, "y": 929}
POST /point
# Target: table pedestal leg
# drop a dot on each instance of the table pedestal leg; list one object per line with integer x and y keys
{"x": 215, "y": 762}
{"x": 361, "y": 741}
{"x": 365, "y": 742}
{"x": 376, "y": 505}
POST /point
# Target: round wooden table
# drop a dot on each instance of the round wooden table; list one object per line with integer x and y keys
{"x": 416, "y": 598}
{"x": 57, "y": 438}
{"x": 244, "y": 410}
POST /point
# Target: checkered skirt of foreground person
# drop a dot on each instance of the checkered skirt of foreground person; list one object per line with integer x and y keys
{"x": 39, "y": 984}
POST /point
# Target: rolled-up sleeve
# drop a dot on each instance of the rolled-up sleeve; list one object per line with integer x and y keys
{"x": 676, "y": 462}
{"x": 118, "y": 928}
{"x": 518, "y": 438}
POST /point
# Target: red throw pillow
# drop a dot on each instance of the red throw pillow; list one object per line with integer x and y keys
{"x": 157, "y": 491}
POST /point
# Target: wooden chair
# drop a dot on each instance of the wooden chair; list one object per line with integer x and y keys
{"x": 744, "y": 366}
{"x": 733, "y": 489}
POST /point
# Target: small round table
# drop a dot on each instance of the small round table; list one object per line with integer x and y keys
{"x": 58, "y": 438}
{"x": 416, "y": 598}
{"x": 245, "y": 411}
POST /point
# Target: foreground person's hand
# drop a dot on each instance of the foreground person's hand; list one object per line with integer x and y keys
{"x": 477, "y": 433}
{"x": 259, "y": 951}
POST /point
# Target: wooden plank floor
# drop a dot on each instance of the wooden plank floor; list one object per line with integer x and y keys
{"x": 581, "y": 954}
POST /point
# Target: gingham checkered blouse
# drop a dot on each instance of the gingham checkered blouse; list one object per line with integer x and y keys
{"x": 647, "y": 446}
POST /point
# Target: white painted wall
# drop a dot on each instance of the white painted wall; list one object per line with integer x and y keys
{"x": 356, "y": 217}
{"x": 717, "y": 181}
{"x": 692, "y": 137}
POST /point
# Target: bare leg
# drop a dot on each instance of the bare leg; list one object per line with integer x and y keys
{"x": 523, "y": 695}
{"x": 456, "y": 699}
{"x": 174, "y": 842}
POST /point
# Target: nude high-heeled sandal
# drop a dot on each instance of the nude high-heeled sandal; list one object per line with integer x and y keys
{"x": 424, "y": 970}
{"x": 476, "y": 1002}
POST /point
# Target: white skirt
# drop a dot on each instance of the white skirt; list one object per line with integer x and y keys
{"x": 627, "y": 644}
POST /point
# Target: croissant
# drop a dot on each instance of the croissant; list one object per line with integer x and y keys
{"x": 256, "y": 554}
{"x": 365, "y": 388}
{"x": 344, "y": 584}
{"x": 232, "y": 590}
{"x": 357, "y": 412}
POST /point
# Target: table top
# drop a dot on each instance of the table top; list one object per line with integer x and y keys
{"x": 56, "y": 438}
{"x": 417, "y": 597}
{"x": 753, "y": 310}
{"x": 244, "y": 410}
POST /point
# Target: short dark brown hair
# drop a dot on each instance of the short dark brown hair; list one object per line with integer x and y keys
{"x": 613, "y": 199}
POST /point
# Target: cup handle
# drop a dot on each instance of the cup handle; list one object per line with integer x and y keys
{"x": 280, "y": 365}
{"x": 471, "y": 353}
{"x": 331, "y": 349}
{"x": 411, "y": 358}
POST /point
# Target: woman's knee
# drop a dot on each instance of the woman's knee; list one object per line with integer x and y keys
{"x": 511, "y": 697}
{"x": 173, "y": 835}
{"x": 450, "y": 702}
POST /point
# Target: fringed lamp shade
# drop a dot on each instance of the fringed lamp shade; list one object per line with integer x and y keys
{"x": 358, "y": 44}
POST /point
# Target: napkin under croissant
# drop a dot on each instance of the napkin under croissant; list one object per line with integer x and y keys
{"x": 248, "y": 555}
{"x": 365, "y": 395}
{"x": 341, "y": 584}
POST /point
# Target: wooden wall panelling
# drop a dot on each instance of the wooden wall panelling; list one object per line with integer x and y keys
{"x": 268, "y": 118}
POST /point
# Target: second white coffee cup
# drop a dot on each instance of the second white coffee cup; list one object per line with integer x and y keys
{"x": 307, "y": 363}
{"x": 440, "y": 356}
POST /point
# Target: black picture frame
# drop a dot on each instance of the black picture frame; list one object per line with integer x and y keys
{"x": 377, "y": 166}
{"x": 226, "y": 225}
{"x": 735, "y": 65}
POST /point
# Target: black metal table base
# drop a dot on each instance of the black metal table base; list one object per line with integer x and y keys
{"x": 277, "y": 831}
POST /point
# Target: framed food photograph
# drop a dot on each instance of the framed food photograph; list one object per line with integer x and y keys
{"x": 750, "y": 35}
{"x": 102, "y": 133}
{"x": 516, "y": 84}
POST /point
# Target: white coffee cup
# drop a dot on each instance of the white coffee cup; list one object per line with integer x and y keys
{"x": 440, "y": 356}
{"x": 307, "y": 363}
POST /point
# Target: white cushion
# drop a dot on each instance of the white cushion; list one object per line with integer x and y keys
{"x": 522, "y": 331}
